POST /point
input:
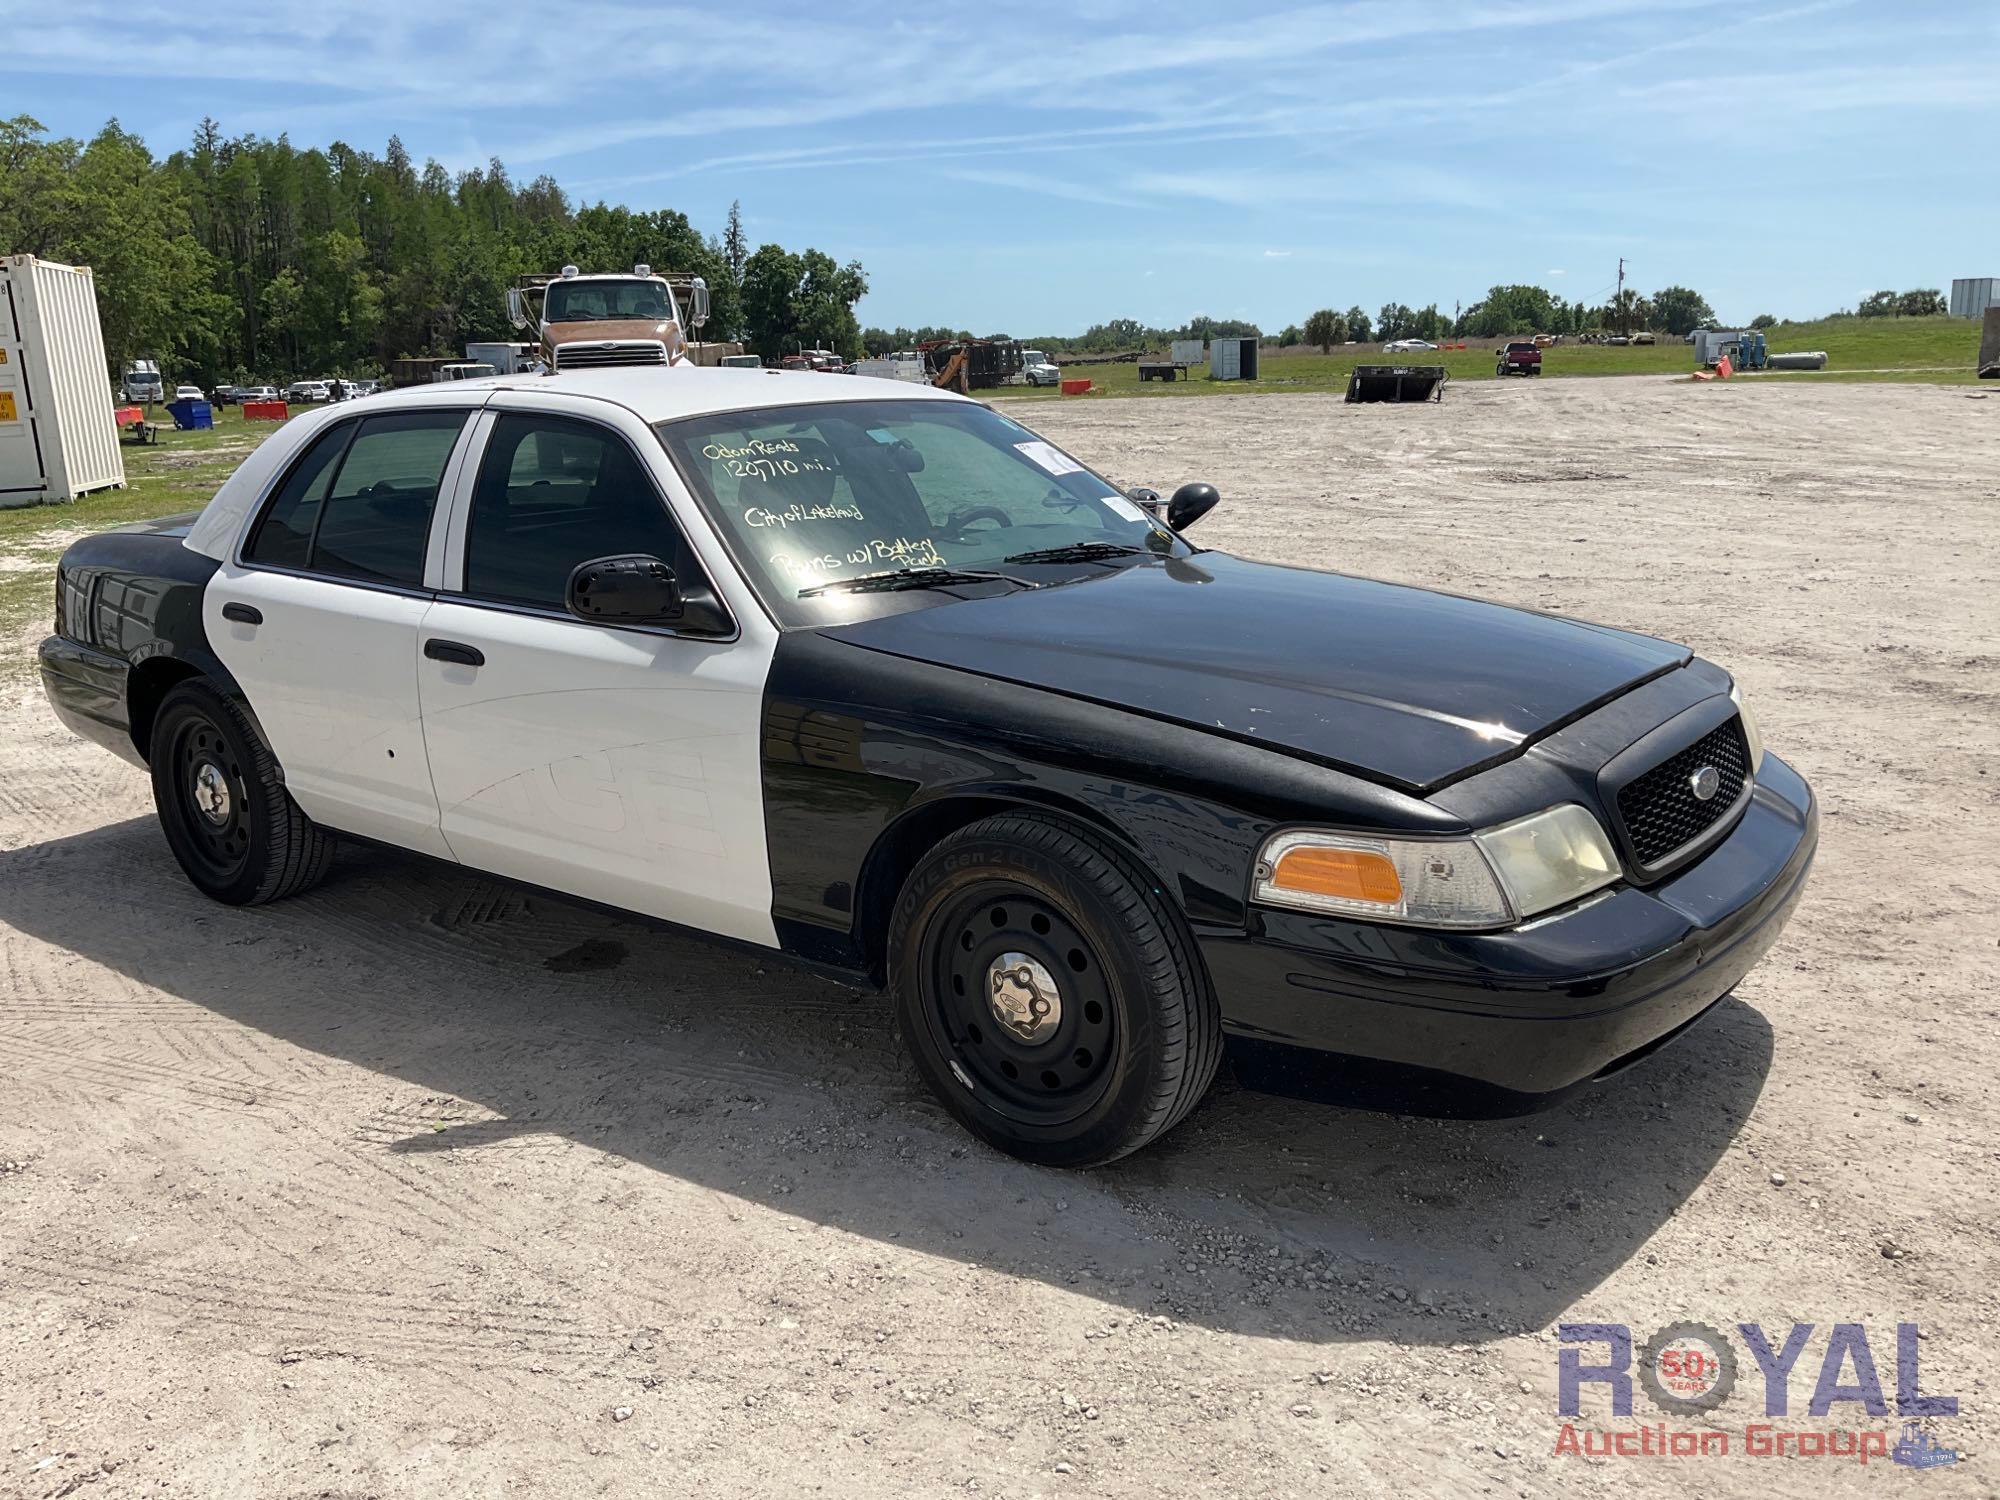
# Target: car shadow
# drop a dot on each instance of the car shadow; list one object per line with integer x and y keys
{"x": 521, "y": 1016}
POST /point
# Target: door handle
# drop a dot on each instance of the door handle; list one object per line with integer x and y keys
{"x": 454, "y": 651}
{"x": 243, "y": 614}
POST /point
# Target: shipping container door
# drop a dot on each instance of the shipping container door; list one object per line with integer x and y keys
{"x": 22, "y": 476}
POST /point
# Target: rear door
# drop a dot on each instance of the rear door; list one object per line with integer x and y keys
{"x": 618, "y": 763}
{"x": 316, "y": 616}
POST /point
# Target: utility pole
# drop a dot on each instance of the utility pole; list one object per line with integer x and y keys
{"x": 1624, "y": 321}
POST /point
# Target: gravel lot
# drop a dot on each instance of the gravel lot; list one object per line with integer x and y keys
{"x": 418, "y": 1186}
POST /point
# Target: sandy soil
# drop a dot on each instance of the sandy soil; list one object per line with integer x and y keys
{"x": 416, "y": 1186}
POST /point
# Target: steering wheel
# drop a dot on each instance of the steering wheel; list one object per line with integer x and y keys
{"x": 964, "y": 518}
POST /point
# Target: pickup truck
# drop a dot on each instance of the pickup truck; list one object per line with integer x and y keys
{"x": 1521, "y": 357}
{"x": 877, "y": 679}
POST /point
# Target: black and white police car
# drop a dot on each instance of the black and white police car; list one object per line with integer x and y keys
{"x": 880, "y": 679}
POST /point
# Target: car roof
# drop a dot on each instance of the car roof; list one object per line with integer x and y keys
{"x": 656, "y": 395}
{"x": 650, "y": 393}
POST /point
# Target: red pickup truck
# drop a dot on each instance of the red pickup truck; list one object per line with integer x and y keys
{"x": 1518, "y": 358}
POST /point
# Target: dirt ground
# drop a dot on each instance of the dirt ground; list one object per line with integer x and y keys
{"x": 417, "y": 1186}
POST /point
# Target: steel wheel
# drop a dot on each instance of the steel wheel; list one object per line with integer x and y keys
{"x": 223, "y": 805}
{"x": 210, "y": 800}
{"x": 1018, "y": 1000}
{"x": 1048, "y": 991}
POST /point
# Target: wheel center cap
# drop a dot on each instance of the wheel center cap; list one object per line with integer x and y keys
{"x": 1024, "y": 996}
{"x": 211, "y": 793}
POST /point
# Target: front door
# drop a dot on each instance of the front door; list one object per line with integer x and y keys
{"x": 316, "y": 617}
{"x": 614, "y": 763}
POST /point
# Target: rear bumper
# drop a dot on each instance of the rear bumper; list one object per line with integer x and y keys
{"x": 1543, "y": 1007}
{"x": 87, "y": 690}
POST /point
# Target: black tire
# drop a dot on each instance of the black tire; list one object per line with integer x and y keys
{"x": 1134, "y": 1035}
{"x": 223, "y": 805}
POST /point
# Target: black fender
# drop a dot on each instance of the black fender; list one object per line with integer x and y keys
{"x": 870, "y": 758}
{"x": 129, "y": 628}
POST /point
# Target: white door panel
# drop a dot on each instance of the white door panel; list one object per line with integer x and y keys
{"x": 331, "y": 673}
{"x": 622, "y": 766}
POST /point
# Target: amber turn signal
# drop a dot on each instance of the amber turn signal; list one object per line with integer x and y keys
{"x": 1344, "y": 874}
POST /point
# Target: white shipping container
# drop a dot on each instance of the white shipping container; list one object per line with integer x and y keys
{"x": 1185, "y": 352}
{"x": 1232, "y": 359}
{"x": 58, "y": 439}
{"x": 1972, "y": 295}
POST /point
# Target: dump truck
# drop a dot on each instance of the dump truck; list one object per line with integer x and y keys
{"x": 586, "y": 322}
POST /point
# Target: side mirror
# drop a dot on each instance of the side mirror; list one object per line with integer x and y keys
{"x": 632, "y": 589}
{"x": 1147, "y": 500}
{"x": 1190, "y": 503}
{"x": 517, "y": 314}
{"x": 698, "y": 296}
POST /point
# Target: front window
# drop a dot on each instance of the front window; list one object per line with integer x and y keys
{"x": 590, "y": 301}
{"x": 808, "y": 496}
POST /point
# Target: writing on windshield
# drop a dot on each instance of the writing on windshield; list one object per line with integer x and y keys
{"x": 815, "y": 494}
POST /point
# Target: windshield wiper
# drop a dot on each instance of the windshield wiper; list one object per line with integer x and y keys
{"x": 1081, "y": 552}
{"x": 912, "y": 578}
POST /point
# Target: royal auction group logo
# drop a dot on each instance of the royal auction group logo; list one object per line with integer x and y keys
{"x": 1690, "y": 1371}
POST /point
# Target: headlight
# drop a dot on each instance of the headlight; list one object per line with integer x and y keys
{"x": 1550, "y": 858}
{"x": 1752, "y": 736}
{"x": 1492, "y": 879}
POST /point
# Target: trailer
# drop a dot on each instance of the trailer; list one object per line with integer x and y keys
{"x": 58, "y": 438}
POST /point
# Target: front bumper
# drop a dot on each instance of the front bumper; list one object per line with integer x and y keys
{"x": 1544, "y": 1006}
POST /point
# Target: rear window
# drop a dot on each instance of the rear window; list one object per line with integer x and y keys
{"x": 358, "y": 505}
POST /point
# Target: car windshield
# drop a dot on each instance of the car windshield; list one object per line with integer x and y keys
{"x": 813, "y": 495}
{"x": 587, "y": 301}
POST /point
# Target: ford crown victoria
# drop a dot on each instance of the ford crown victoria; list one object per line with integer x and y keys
{"x": 894, "y": 686}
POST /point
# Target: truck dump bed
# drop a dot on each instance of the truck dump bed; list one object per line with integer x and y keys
{"x": 1397, "y": 383}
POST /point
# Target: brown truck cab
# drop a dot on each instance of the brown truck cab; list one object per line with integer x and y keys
{"x": 588, "y": 322}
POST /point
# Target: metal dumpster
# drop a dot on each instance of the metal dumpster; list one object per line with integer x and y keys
{"x": 1397, "y": 383}
{"x": 190, "y": 415}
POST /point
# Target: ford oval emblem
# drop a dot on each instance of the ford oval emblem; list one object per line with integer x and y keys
{"x": 1705, "y": 783}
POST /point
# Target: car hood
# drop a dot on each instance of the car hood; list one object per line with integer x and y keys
{"x": 598, "y": 329}
{"x": 1401, "y": 685}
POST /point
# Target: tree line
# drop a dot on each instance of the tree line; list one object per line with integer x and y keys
{"x": 1674, "y": 310}
{"x": 248, "y": 259}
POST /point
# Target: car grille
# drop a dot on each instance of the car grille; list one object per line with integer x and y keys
{"x": 1660, "y": 810}
{"x": 599, "y": 356}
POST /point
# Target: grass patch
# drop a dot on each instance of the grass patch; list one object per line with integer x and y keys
{"x": 1942, "y": 350}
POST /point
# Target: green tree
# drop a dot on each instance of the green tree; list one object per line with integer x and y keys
{"x": 1764, "y": 320}
{"x": 1510, "y": 309}
{"x": 1925, "y": 302}
{"x": 1291, "y": 334}
{"x": 1358, "y": 326}
{"x": 1679, "y": 311}
{"x": 1395, "y": 321}
{"x": 1321, "y": 329}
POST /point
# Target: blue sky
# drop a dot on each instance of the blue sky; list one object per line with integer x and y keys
{"x": 1035, "y": 169}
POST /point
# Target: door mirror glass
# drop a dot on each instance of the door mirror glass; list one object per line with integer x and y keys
{"x": 632, "y": 589}
{"x": 1190, "y": 503}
